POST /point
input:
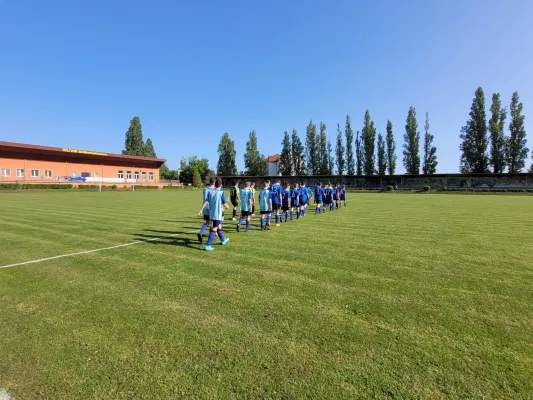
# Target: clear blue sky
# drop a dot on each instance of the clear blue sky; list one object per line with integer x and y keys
{"x": 74, "y": 73}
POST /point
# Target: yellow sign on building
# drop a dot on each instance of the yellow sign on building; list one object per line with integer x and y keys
{"x": 91, "y": 153}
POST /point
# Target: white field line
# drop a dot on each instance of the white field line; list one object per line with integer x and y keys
{"x": 79, "y": 253}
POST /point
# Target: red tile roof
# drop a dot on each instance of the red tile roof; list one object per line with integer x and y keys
{"x": 274, "y": 158}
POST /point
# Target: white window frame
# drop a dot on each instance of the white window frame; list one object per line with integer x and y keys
{"x": 120, "y": 174}
{"x": 5, "y": 172}
{"x": 96, "y": 175}
{"x": 33, "y": 175}
{"x": 48, "y": 173}
{"x": 74, "y": 174}
{"x": 151, "y": 176}
{"x": 128, "y": 174}
{"x": 143, "y": 175}
{"x": 136, "y": 175}
{"x": 21, "y": 172}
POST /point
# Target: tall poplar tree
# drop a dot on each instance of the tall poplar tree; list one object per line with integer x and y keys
{"x": 474, "y": 138}
{"x": 254, "y": 162}
{"x": 391, "y": 149}
{"x": 311, "y": 149}
{"x": 298, "y": 155}
{"x": 368, "y": 138}
{"x": 517, "y": 139}
{"x": 498, "y": 140}
{"x": 411, "y": 146}
{"x": 227, "y": 165}
{"x": 382, "y": 156}
{"x": 359, "y": 154}
{"x": 323, "y": 155}
{"x": 430, "y": 152}
{"x": 285, "y": 162}
{"x": 134, "y": 145}
{"x": 339, "y": 152}
{"x": 350, "y": 161}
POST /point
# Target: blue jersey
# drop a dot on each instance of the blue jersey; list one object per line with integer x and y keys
{"x": 264, "y": 200}
{"x": 304, "y": 194}
{"x": 336, "y": 193}
{"x": 206, "y": 198}
{"x": 319, "y": 192}
{"x": 309, "y": 193}
{"x": 328, "y": 193}
{"x": 276, "y": 191}
{"x": 295, "y": 194}
{"x": 216, "y": 199}
{"x": 286, "y": 196}
{"x": 246, "y": 196}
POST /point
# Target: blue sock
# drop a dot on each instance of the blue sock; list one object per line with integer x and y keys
{"x": 221, "y": 235}
{"x": 262, "y": 222}
{"x": 269, "y": 218}
{"x": 247, "y": 225}
{"x": 240, "y": 221}
{"x": 211, "y": 238}
{"x": 204, "y": 228}
{"x": 292, "y": 214}
{"x": 277, "y": 219}
{"x": 286, "y": 216}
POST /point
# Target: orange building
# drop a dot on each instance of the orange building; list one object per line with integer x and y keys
{"x": 42, "y": 164}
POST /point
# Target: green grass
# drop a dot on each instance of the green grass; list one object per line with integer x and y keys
{"x": 392, "y": 297}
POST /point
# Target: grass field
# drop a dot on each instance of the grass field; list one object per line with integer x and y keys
{"x": 395, "y": 296}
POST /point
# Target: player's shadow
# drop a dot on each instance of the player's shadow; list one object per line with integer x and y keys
{"x": 174, "y": 232}
{"x": 169, "y": 241}
{"x": 183, "y": 221}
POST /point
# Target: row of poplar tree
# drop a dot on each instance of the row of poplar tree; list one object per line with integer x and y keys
{"x": 317, "y": 157}
{"x": 507, "y": 153}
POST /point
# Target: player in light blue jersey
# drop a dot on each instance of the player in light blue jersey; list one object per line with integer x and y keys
{"x": 295, "y": 201}
{"x": 286, "y": 202}
{"x": 206, "y": 209}
{"x": 216, "y": 202}
{"x": 246, "y": 206}
{"x": 265, "y": 206}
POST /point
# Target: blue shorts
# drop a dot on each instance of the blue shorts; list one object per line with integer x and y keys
{"x": 335, "y": 198}
{"x": 276, "y": 206}
{"x": 318, "y": 201}
{"x": 206, "y": 218}
{"x": 303, "y": 202}
{"x": 217, "y": 223}
{"x": 343, "y": 197}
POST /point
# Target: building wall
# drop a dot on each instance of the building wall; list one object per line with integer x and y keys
{"x": 61, "y": 170}
{"x": 273, "y": 168}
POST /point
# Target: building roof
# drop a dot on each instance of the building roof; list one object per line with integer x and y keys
{"x": 20, "y": 150}
{"x": 274, "y": 158}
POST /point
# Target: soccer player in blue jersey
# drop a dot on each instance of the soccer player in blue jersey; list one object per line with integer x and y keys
{"x": 336, "y": 196}
{"x": 304, "y": 197}
{"x": 319, "y": 198}
{"x": 343, "y": 194}
{"x": 295, "y": 200}
{"x": 265, "y": 206}
{"x": 205, "y": 213}
{"x": 216, "y": 202}
{"x": 276, "y": 192}
{"x": 286, "y": 201}
{"x": 328, "y": 197}
{"x": 246, "y": 206}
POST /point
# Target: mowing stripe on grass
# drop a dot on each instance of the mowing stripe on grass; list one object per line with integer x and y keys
{"x": 79, "y": 253}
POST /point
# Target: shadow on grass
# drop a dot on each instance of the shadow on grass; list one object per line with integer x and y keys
{"x": 175, "y": 232}
{"x": 170, "y": 241}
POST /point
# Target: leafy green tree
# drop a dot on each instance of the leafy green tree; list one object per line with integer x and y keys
{"x": 227, "y": 165}
{"x": 331, "y": 161}
{"x": 531, "y": 168}
{"x": 311, "y": 149}
{"x": 285, "y": 162}
{"x": 164, "y": 172}
{"x": 134, "y": 145}
{"x": 349, "y": 146}
{"x": 430, "y": 152}
{"x": 382, "y": 157}
{"x": 474, "y": 144}
{"x": 391, "y": 149}
{"x": 323, "y": 155}
{"x": 339, "y": 152}
{"x": 148, "y": 149}
{"x": 359, "y": 154}
{"x": 499, "y": 142}
{"x": 411, "y": 146}
{"x": 368, "y": 139}
{"x": 196, "y": 179}
{"x": 517, "y": 139}
{"x": 189, "y": 165}
{"x": 254, "y": 162}
{"x": 297, "y": 153}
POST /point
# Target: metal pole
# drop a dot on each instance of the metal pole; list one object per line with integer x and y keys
{"x": 133, "y": 187}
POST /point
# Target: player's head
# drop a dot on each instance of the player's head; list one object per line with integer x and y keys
{"x": 267, "y": 184}
{"x": 278, "y": 181}
{"x": 236, "y": 183}
{"x": 247, "y": 185}
{"x": 319, "y": 184}
{"x": 218, "y": 182}
{"x": 303, "y": 184}
{"x": 296, "y": 185}
{"x": 287, "y": 186}
{"x": 212, "y": 181}
{"x": 253, "y": 184}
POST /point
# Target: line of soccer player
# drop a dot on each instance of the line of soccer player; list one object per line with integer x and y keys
{"x": 283, "y": 203}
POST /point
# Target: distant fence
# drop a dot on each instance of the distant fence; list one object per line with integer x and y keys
{"x": 437, "y": 181}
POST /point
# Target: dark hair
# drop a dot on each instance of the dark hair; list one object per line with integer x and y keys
{"x": 319, "y": 183}
{"x": 218, "y": 182}
{"x": 212, "y": 180}
{"x": 278, "y": 180}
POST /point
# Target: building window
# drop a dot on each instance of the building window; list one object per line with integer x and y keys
{"x": 120, "y": 174}
{"x": 96, "y": 174}
{"x": 143, "y": 175}
{"x": 5, "y": 172}
{"x": 48, "y": 174}
{"x": 34, "y": 173}
{"x": 128, "y": 174}
{"x": 136, "y": 174}
{"x": 85, "y": 174}
{"x": 151, "y": 175}
{"x": 20, "y": 173}
{"x": 74, "y": 174}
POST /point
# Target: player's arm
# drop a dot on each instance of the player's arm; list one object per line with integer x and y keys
{"x": 250, "y": 199}
{"x": 224, "y": 203}
{"x": 202, "y": 209}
